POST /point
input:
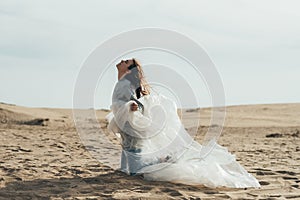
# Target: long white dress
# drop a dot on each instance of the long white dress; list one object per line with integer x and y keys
{"x": 155, "y": 144}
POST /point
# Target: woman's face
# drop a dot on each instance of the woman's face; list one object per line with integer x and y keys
{"x": 124, "y": 64}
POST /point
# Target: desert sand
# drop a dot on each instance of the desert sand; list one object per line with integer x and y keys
{"x": 42, "y": 156}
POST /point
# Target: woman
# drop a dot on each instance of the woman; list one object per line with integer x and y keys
{"x": 155, "y": 143}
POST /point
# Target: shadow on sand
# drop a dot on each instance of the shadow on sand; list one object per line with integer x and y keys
{"x": 107, "y": 186}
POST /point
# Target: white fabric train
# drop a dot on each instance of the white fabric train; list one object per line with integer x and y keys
{"x": 156, "y": 145}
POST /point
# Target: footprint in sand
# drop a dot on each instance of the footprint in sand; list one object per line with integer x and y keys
{"x": 209, "y": 191}
{"x": 289, "y": 178}
{"x": 287, "y": 172}
{"x": 261, "y": 173}
{"x": 264, "y": 183}
{"x": 171, "y": 192}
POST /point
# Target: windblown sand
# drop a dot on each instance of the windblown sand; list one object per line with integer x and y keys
{"x": 42, "y": 156}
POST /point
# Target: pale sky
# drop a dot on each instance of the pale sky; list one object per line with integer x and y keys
{"x": 255, "y": 45}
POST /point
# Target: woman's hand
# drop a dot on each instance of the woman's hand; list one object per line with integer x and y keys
{"x": 133, "y": 107}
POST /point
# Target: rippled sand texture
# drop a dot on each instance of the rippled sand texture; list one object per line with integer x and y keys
{"x": 43, "y": 157}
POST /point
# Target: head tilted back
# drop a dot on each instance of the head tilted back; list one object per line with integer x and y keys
{"x": 137, "y": 79}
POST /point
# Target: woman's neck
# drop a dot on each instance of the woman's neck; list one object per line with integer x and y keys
{"x": 120, "y": 75}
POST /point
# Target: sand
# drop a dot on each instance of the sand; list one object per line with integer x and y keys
{"x": 42, "y": 156}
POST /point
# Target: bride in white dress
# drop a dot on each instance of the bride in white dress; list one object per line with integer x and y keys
{"x": 155, "y": 143}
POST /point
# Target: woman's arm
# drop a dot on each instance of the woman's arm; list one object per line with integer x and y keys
{"x": 122, "y": 106}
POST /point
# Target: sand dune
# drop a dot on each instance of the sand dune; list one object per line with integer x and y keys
{"x": 42, "y": 156}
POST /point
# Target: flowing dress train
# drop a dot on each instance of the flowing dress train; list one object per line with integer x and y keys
{"x": 156, "y": 144}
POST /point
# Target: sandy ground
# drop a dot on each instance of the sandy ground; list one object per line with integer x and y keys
{"x": 42, "y": 156}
